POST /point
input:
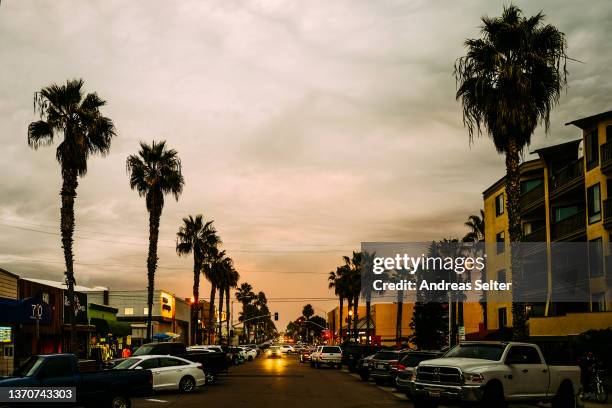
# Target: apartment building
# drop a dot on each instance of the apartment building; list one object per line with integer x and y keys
{"x": 566, "y": 197}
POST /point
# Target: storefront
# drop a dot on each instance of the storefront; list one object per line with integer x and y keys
{"x": 8, "y": 297}
{"x": 110, "y": 336}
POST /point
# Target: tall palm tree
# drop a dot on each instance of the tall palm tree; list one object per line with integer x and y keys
{"x": 367, "y": 262}
{"x": 213, "y": 271}
{"x": 225, "y": 271}
{"x": 508, "y": 83}
{"x": 196, "y": 237}
{"x": 353, "y": 269}
{"x": 335, "y": 282}
{"x": 261, "y": 302}
{"x": 476, "y": 228}
{"x": 232, "y": 282}
{"x": 65, "y": 110}
{"x": 245, "y": 295}
{"x": 154, "y": 172}
{"x": 307, "y": 312}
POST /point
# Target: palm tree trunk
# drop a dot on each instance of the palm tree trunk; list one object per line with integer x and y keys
{"x": 211, "y": 313}
{"x": 355, "y": 320}
{"x": 196, "y": 301}
{"x": 399, "y": 317}
{"x": 221, "y": 294}
{"x": 68, "y": 194}
{"x": 340, "y": 318}
{"x": 513, "y": 192}
{"x": 368, "y": 311}
{"x": 154, "y": 216}
{"x": 227, "y": 311}
{"x": 349, "y": 319}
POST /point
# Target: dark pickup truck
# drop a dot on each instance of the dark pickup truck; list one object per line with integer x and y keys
{"x": 99, "y": 389}
{"x": 213, "y": 363}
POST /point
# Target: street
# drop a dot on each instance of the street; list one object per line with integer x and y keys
{"x": 285, "y": 382}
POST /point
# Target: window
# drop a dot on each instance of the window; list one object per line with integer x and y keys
{"x": 8, "y": 352}
{"x": 150, "y": 363}
{"x": 500, "y": 238}
{"x": 562, "y": 213}
{"x": 57, "y": 367}
{"x": 145, "y": 311}
{"x": 598, "y": 302}
{"x": 523, "y": 355}
{"x": 502, "y": 318}
{"x": 501, "y": 276}
{"x": 128, "y": 311}
{"x": 595, "y": 258}
{"x": 594, "y": 203}
{"x": 528, "y": 185}
{"x": 499, "y": 204}
{"x": 171, "y": 362}
{"x": 592, "y": 149}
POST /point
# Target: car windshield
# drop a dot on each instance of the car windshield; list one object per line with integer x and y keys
{"x": 331, "y": 350}
{"x": 127, "y": 363}
{"x": 143, "y": 351}
{"x": 480, "y": 351}
{"x": 413, "y": 360}
{"x": 386, "y": 355}
{"x": 30, "y": 367}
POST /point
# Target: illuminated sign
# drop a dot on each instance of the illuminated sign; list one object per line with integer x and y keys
{"x": 5, "y": 334}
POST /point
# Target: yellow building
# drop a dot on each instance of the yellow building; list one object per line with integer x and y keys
{"x": 566, "y": 197}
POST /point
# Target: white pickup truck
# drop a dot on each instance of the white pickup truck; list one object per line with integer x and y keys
{"x": 490, "y": 374}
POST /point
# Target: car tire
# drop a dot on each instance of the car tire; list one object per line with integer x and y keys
{"x": 187, "y": 384}
{"x": 425, "y": 403}
{"x": 250, "y": 358}
{"x": 120, "y": 401}
{"x": 565, "y": 397}
{"x": 493, "y": 396}
{"x": 364, "y": 375}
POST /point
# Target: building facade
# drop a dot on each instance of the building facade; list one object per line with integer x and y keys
{"x": 8, "y": 297}
{"x": 566, "y": 197}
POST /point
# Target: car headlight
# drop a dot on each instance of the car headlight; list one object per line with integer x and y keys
{"x": 473, "y": 378}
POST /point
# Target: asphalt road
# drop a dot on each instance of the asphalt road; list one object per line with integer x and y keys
{"x": 280, "y": 382}
{"x": 287, "y": 383}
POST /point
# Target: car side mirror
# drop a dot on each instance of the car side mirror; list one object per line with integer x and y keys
{"x": 139, "y": 368}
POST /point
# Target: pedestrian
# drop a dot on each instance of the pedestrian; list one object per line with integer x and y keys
{"x": 126, "y": 352}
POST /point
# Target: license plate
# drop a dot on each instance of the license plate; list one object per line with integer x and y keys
{"x": 380, "y": 366}
{"x": 434, "y": 393}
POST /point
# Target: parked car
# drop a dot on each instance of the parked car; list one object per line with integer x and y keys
{"x": 384, "y": 366}
{"x": 491, "y": 374}
{"x": 169, "y": 372}
{"x": 305, "y": 355}
{"x": 364, "y": 367}
{"x": 100, "y": 389}
{"x": 407, "y": 367}
{"x": 249, "y": 353}
{"x": 213, "y": 363}
{"x": 352, "y": 353}
{"x": 274, "y": 352}
{"x": 327, "y": 355}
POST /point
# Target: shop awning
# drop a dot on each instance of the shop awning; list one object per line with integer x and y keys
{"x": 112, "y": 327}
{"x": 25, "y": 311}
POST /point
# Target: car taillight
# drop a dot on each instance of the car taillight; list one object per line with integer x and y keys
{"x": 401, "y": 366}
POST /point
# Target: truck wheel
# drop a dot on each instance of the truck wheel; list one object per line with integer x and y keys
{"x": 565, "y": 397}
{"x": 187, "y": 384}
{"x": 493, "y": 396}
{"x": 424, "y": 403}
{"x": 119, "y": 401}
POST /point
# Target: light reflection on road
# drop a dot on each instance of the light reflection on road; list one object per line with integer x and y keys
{"x": 274, "y": 365}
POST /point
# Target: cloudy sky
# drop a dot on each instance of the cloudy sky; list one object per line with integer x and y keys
{"x": 304, "y": 127}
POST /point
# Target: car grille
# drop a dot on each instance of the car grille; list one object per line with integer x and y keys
{"x": 439, "y": 375}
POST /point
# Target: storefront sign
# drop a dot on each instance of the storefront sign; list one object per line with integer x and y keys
{"x": 79, "y": 312}
{"x": 5, "y": 334}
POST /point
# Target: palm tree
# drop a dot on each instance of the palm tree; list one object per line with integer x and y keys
{"x": 232, "y": 282}
{"x": 367, "y": 260}
{"x": 335, "y": 282}
{"x": 261, "y": 302}
{"x": 476, "y": 227}
{"x": 196, "y": 237}
{"x": 226, "y": 267}
{"x": 245, "y": 295}
{"x": 64, "y": 110}
{"x": 154, "y": 172}
{"x": 307, "y": 312}
{"x": 213, "y": 271}
{"x": 353, "y": 269}
{"x": 508, "y": 83}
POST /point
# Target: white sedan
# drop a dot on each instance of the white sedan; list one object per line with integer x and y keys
{"x": 169, "y": 373}
{"x": 249, "y": 353}
{"x": 286, "y": 349}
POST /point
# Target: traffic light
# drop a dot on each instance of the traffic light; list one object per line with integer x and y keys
{"x": 275, "y": 316}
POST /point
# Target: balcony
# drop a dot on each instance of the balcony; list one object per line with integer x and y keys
{"x": 567, "y": 178}
{"x": 538, "y": 235}
{"x": 606, "y": 158}
{"x": 569, "y": 228}
{"x": 607, "y": 213}
{"x": 532, "y": 198}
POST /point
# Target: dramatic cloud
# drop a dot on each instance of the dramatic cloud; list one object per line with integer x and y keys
{"x": 304, "y": 129}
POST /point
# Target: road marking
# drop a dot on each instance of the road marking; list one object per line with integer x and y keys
{"x": 154, "y": 400}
